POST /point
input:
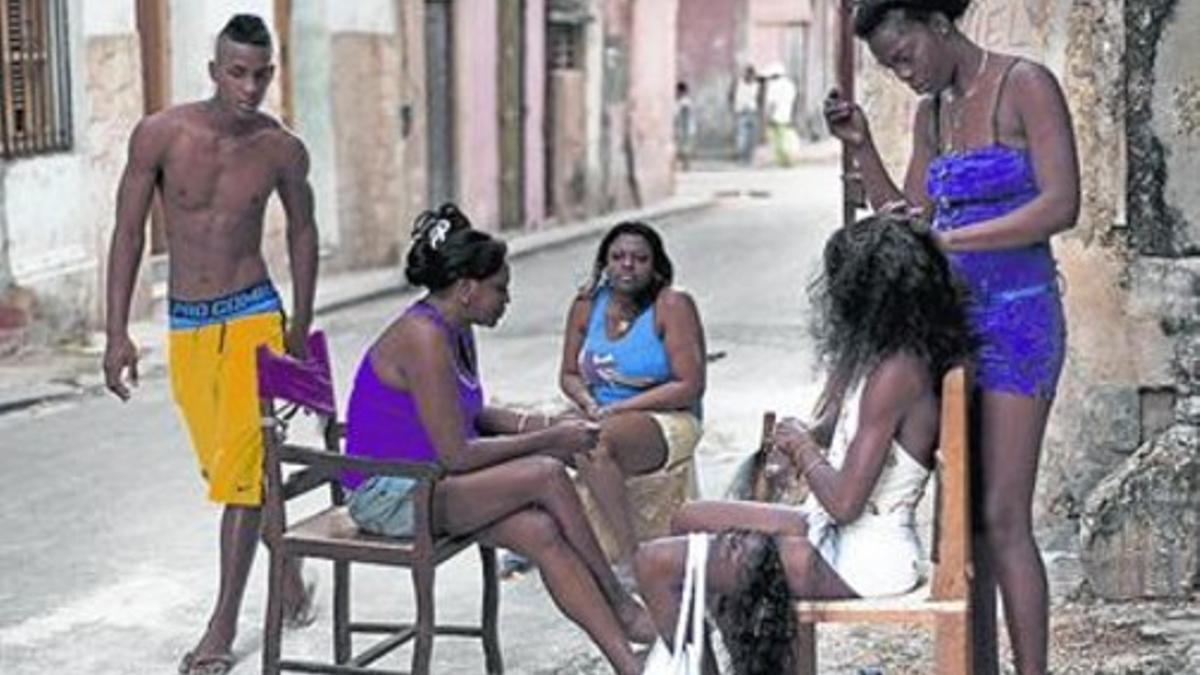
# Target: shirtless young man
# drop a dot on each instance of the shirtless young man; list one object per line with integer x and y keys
{"x": 215, "y": 163}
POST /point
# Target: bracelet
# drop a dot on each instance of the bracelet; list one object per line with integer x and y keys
{"x": 812, "y": 465}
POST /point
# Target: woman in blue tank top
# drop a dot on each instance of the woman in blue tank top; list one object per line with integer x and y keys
{"x": 994, "y": 164}
{"x": 633, "y": 359}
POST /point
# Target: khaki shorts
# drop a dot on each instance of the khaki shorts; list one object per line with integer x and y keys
{"x": 681, "y": 431}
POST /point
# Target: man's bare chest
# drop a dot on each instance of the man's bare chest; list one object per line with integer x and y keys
{"x": 211, "y": 173}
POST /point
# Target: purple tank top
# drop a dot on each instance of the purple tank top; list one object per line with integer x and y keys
{"x": 382, "y": 422}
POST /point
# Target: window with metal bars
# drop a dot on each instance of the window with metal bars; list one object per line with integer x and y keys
{"x": 565, "y": 49}
{"x": 35, "y": 108}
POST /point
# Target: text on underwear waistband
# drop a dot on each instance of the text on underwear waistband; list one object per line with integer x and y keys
{"x": 257, "y": 299}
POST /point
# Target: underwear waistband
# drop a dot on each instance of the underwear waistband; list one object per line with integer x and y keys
{"x": 257, "y": 299}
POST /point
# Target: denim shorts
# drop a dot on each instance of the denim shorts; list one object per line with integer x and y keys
{"x": 384, "y": 505}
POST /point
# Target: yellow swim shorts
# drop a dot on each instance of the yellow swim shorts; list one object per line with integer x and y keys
{"x": 215, "y": 384}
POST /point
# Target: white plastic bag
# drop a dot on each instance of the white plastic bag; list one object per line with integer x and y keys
{"x": 685, "y": 660}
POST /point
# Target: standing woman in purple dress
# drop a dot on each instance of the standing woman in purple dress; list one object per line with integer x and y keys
{"x": 994, "y": 163}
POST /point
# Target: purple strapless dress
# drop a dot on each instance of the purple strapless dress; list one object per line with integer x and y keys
{"x": 1015, "y": 308}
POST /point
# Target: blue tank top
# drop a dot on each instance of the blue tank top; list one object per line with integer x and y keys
{"x": 618, "y": 369}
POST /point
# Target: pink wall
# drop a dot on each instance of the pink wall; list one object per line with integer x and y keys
{"x": 477, "y": 124}
{"x": 652, "y": 95}
{"x": 711, "y": 53}
{"x": 535, "y": 109}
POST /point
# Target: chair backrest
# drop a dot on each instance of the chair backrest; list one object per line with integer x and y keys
{"x": 307, "y": 383}
{"x": 952, "y": 538}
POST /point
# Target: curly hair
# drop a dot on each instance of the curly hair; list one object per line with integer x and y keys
{"x": 445, "y": 248}
{"x": 756, "y": 619}
{"x": 885, "y": 288}
{"x": 870, "y": 14}
{"x": 664, "y": 271}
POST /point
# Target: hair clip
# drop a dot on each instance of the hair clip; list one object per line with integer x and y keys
{"x": 438, "y": 232}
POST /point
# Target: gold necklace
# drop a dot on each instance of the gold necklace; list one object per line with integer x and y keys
{"x": 960, "y": 102}
{"x": 623, "y": 322}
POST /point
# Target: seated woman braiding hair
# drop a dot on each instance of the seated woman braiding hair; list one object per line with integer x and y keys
{"x": 890, "y": 323}
{"x": 417, "y": 397}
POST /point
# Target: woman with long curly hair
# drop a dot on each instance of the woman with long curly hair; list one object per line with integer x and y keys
{"x": 994, "y": 162}
{"x": 890, "y": 322}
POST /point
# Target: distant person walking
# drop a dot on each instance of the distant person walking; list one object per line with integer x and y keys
{"x": 214, "y": 163}
{"x": 685, "y": 126}
{"x": 746, "y": 115}
{"x": 780, "y": 99}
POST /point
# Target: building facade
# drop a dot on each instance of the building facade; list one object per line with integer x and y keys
{"x": 506, "y": 107}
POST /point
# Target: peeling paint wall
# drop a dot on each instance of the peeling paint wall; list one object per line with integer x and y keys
{"x": 712, "y": 55}
{"x": 477, "y": 130}
{"x": 652, "y": 96}
{"x": 56, "y": 252}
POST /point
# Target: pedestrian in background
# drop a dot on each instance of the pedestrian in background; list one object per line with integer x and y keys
{"x": 746, "y": 114}
{"x": 685, "y": 126}
{"x": 779, "y": 100}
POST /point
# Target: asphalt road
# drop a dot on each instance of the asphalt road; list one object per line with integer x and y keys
{"x": 108, "y": 559}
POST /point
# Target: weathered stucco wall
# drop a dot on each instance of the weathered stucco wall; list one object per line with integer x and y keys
{"x": 312, "y": 73}
{"x": 652, "y": 95}
{"x": 57, "y": 240}
{"x": 535, "y": 95}
{"x": 477, "y": 125}
{"x": 712, "y": 55}
{"x": 368, "y": 148}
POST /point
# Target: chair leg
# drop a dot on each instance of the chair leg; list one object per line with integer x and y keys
{"x": 341, "y": 612}
{"x": 804, "y": 650}
{"x": 273, "y": 625}
{"x": 491, "y": 605}
{"x": 952, "y": 646}
{"x": 423, "y": 578}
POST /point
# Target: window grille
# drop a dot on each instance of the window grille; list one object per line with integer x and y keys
{"x": 566, "y": 46}
{"x": 35, "y": 107}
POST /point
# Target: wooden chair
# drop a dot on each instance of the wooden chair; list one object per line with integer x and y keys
{"x": 331, "y": 535}
{"x": 943, "y": 602}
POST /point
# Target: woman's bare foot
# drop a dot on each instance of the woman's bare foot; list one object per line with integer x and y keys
{"x": 635, "y": 619}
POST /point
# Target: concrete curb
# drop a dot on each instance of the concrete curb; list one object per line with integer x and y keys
{"x": 342, "y": 291}
{"x": 377, "y": 284}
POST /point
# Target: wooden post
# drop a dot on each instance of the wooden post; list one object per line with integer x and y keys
{"x": 852, "y": 191}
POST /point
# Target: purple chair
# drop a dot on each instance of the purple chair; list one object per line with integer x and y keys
{"x": 285, "y": 382}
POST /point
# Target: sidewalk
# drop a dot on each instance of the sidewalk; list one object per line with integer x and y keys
{"x": 43, "y": 375}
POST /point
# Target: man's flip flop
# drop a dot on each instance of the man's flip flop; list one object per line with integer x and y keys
{"x": 215, "y": 664}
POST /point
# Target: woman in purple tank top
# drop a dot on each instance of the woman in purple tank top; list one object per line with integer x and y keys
{"x": 417, "y": 397}
{"x": 994, "y": 164}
